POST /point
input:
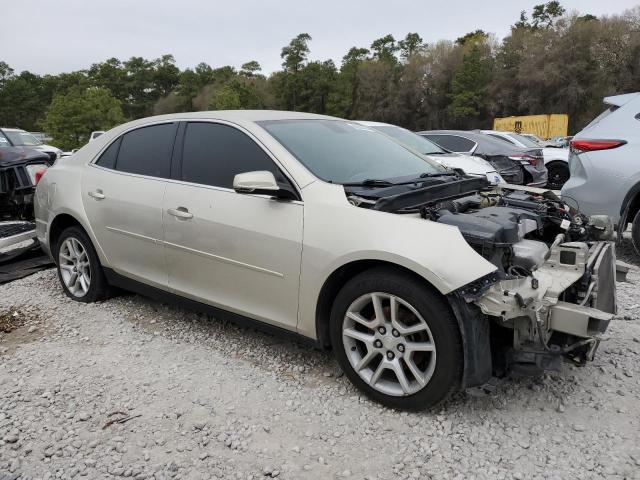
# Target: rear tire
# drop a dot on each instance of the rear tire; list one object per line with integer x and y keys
{"x": 635, "y": 232}
{"x": 411, "y": 359}
{"x": 79, "y": 269}
{"x": 558, "y": 175}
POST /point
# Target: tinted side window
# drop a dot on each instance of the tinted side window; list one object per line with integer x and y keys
{"x": 213, "y": 154}
{"x": 452, "y": 142}
{"x": 108, "y": 157}
{"x": 499, "y": 137}
{"x": 147, "y": 150}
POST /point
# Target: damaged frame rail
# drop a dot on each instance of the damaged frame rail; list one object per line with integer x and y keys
{"x": 561, "y": 309}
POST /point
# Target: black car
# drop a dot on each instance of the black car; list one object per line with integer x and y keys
{"x": 518, "y": 166}
{"x": 19, "y": 167}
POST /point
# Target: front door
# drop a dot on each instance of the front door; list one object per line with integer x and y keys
{"x": 235, "y": 251}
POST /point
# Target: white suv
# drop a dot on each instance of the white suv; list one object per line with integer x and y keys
{"x": 331, "y": 231}
{"x": 605, "y": 165}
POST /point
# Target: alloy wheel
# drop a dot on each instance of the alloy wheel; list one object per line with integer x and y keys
{"x": 74, "y": 265}
{"x": 389, "y": 344}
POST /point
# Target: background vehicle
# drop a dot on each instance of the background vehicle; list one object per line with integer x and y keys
{"x": 605, "y": 165}
{"x": 21, "y": 138}
{"x": 519, "y": 166}
{"x": 473, "y": 166}
{"x": 401, "y": 267}
{"x": 18, "y": 169}
{"x": 555, "y": 159}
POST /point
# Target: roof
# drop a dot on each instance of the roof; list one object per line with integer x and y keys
{"x": 619, "y": 100}
{"x": 368, "y": 123}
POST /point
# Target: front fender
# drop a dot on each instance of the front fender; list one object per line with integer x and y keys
{"x": 337, "y": 233}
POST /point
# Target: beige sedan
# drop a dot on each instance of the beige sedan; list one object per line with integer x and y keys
{"x": 321, "y": 228}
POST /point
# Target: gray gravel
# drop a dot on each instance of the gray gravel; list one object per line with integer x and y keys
{"x": 199, "y": 399}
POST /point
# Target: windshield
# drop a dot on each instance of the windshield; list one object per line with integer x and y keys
{"x": 527, "y": 142}
{"x": 22, "y": 138}
{"x": 4, "y": 141}
{"x": 343, "y": 152}
{"x": 410, "y": 139}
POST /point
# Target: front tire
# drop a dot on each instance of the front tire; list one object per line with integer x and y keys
{"x": 79, "y": 269}
{"x": 396, "y": 339}
{"x": 635, "y": 232}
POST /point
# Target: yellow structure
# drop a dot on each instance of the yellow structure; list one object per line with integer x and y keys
{"x": 544, "y": 126}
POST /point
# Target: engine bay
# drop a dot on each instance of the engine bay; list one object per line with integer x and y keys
{"x": 553, "y": 292}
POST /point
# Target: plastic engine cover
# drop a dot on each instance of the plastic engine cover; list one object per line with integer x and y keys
{"x": 496, "y": 225}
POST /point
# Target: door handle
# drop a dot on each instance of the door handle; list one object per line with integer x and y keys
{"x": 180, "y": 212}
{"x": 98, "y": 195}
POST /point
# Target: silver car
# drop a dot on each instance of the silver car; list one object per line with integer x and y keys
{"x": 605, "y": 165}
{"x": 333, "y": 232}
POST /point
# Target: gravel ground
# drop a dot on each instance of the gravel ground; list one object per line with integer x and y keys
{"x": 199, "y": 399}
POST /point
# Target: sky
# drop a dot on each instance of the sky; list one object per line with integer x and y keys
{"x": 53, "y": 36}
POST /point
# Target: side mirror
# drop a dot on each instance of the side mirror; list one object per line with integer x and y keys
{"x": 261, "y": 182}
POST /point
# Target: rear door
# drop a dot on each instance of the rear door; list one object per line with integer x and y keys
{"x": 236, "y": 251}
{"x": 122, "y": 194}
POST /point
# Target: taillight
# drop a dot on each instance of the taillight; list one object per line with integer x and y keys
{"x": 535, "y": 161}
{"x": 39, "y": 174}
{"x": 594, "y": 145}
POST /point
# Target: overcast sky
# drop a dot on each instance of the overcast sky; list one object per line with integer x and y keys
{"x": 52, "y": 36}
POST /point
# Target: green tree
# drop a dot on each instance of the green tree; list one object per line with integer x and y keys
{"x": 545, "y": 14}
{"x": 343, "y": 102}
{"x": 6, "y": 72}
{"x": 411, "y": 45}
{"x": 72, "y": 116}
{"x": 385, "y": 49}
{"x": 250, "y": 69}
{"x": 294, "y": 57}
{"x": 469, "y": 88}
{"x": 227, "y": 98}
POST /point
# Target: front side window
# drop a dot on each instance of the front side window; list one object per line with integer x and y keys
{"x": 147, "y": 150}
{"x": 213, "y": 154}
{"x": 453, "y": 143}
{"x": 344, "y": 152}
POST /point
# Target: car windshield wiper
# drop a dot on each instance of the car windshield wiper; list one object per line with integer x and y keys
{"x": 430, "y": 175}
{"x": 435, "y": 153}
{"x": 370, "y": 182}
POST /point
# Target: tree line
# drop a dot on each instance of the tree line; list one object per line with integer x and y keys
{"x": 550, "y": 62}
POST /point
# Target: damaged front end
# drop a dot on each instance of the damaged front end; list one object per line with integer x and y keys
{"x": 554, "y": 292}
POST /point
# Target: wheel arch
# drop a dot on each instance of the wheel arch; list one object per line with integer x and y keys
{"x": 630, "y": 207}
{"x": 338, "y": 278}
{"x": 59, "y": 224}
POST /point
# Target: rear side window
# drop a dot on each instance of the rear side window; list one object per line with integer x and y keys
{"x": 452, "y": 142}
{"x": 108, "y": 157}
{"x": 147, "y": 150}
{"x": 213, "y": 154}
{"x": 499, "y": 137}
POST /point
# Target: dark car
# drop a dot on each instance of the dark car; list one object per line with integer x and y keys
{"x": 519, "y": 166}
{"x": 19, "y": 167}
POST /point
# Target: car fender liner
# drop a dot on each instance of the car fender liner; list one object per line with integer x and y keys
{"x": 476, "y": 345}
